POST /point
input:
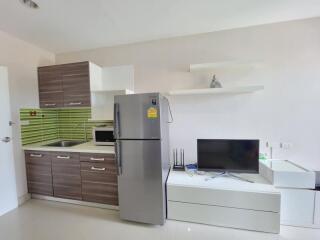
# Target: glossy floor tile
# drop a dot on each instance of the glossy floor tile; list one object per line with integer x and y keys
{"x": 44, "y": 220}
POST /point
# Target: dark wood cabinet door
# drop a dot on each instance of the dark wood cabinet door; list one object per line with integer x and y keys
{"x": 65, "y": 85}
{"x": 76, "y": 84}
{"x": 66, "y": 175}
{"x": 50, "y": 87}
{"x": 39, "y": 172}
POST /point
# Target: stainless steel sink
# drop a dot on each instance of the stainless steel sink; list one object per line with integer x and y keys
{"x": 64, "y": 144}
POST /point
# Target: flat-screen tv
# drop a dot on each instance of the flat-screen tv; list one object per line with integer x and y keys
{"x": 228, "y": 155}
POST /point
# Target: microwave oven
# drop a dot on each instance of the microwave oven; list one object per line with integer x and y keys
{"x": 103, "y": 136}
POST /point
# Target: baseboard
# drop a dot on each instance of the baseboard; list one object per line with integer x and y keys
{"x": 77, "y": 202}
{"x": 315, "y": 226}
{"x": 24, "y": 198}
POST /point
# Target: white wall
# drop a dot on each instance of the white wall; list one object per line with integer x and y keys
{"x": 287, "y": 110}
{"x": 22, "y": 60}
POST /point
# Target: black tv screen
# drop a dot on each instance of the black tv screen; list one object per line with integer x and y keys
{"x": 228, "y": 155}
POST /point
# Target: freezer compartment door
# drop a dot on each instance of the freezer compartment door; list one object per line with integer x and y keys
{"x": 140, "y": 184}
{"x": 137, "y": 116}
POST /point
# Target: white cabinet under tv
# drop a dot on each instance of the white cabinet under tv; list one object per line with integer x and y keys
{"x": 224, "y": 202}
{"x": 300, "y": 202}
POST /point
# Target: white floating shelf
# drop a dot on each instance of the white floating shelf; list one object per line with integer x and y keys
{"x": 212, "y": 91}
{"x": 126, "y": 91}
{"x": 214, "y": 66}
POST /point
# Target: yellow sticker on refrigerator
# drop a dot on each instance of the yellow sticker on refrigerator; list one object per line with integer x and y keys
{"x": 152, "y": 112}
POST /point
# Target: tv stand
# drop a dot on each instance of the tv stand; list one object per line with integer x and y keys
{"x": 228, "y": 174}
{"x": 226, "y": 202}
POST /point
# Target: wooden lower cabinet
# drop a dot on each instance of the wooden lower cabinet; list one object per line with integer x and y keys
{"x": 39, "y": 173}
{"x": 77, "y": 176}
{"x": 66, "y": 175}
{"x": 99, "y": 178}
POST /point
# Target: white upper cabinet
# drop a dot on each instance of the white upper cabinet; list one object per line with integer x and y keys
{"x": 95, "y": 77}
{"x": 111, "y": 78}
{"x": 105, "y": 83}
{"x": 118, "y": 78}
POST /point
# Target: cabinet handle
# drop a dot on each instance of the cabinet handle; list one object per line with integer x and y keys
{"x": 50, "y": 104}
{"x": 63, "y": 157}
{"x": 75, "y": 103}
{"x": 97, "y": 159}
{"x": 36, "y": 155}
{"x": 98, "y": 169}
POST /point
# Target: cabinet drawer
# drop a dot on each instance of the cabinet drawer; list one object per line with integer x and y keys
{"x": 67, "y": 192}
{"x": 100, "y": 193}
{"x": 40, "y": 188}
{"x": 66, "y": 164}
{"x": 99, "y": 188}
{"x": 104, "y": 199}
{"x": 94, "y": 157}
{"x": 67, "y": 180}
{"x": 65, "y": 158}
{"x": 98, "y": 172}
{"x": 89, "y": 176}
{"x": 38, "y": 158}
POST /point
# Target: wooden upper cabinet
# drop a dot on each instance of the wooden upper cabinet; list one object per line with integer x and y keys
{"x": 50, "y": 87}
{"x": 66, "y": 85}
{"x": 76, "y": 84}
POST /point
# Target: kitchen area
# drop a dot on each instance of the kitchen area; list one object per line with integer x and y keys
{"x": 81, "y": 145}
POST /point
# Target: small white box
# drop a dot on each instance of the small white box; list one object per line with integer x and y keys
{"x": 286, "y": 174}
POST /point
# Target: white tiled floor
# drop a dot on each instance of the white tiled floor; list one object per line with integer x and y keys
{"x": 44, "y": 220}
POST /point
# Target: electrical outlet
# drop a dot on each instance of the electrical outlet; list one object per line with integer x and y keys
{"x": 286, "y": 145}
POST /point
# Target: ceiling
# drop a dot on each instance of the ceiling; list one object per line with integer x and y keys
{"x": 72, "y": 25}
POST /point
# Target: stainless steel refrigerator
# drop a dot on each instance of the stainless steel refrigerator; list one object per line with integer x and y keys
{"x": 142, "y": 154}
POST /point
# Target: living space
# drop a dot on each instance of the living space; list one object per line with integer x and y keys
{"x": 159, "y": 119}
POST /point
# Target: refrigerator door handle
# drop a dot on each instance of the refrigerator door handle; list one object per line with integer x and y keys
{"x": 118, "y": 157}
{"x": 116, "y": 116}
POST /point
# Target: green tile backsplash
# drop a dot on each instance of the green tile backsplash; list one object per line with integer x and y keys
{"x": 39, "y": 125}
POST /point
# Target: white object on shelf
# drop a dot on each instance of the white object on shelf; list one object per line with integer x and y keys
{"x": 226, "y": 65}
{"x": 224, "y": 201}
{"x": 105, "y": 83}
{"x": 283, "y": 173}
{"x": 223, "y": 90}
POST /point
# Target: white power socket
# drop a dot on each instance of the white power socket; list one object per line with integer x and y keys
{"x": 286, "y": 145}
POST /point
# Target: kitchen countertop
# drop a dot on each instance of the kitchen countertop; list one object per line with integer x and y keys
{"x": 87, "y": 147}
